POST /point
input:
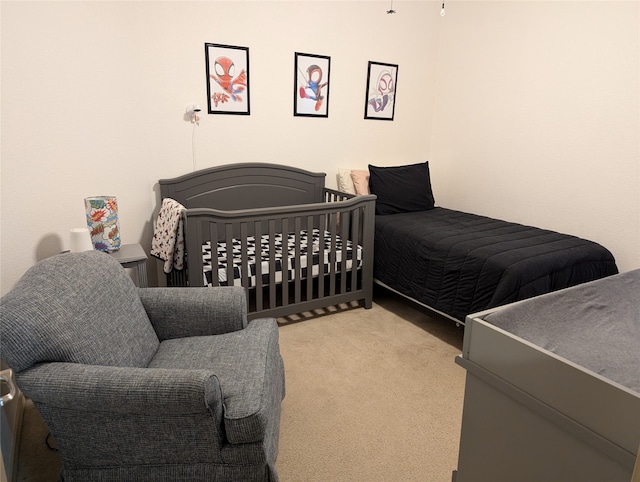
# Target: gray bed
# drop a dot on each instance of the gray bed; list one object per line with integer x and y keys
{"x": 297, "y": 246}
{"x": 553, "y": 386}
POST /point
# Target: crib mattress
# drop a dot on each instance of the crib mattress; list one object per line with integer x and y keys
{"x": 319, "y": 244}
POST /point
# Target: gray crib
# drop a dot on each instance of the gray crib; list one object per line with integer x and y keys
{"x": 294, "y": 245}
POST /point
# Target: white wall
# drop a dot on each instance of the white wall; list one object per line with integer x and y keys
{"x": 94, "y": 93}
{"x": 526, "y": 110}
{"x": 537, "y": 117}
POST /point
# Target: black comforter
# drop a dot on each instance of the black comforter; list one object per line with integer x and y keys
{"x": 460, "y": 263}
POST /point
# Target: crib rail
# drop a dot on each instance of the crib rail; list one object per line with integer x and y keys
{"x": 344, "y": 217}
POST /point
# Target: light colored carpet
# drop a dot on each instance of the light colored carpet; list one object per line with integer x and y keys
{"x": 372, "y": 395}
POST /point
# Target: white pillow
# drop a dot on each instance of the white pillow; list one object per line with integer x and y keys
{"x": 345, "y": 183}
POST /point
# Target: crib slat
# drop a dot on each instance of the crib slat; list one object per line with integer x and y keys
{"x": 272, "y": 263}
{"x": 368, "y": 226}
{"x": 228, "y": 238}
{"x": 321, "y": 251}
{"x": 194, "y": 276}
{"x": 215, "y": 260}
{"x": 244, "y": 258}
{"x": 258, "y": 266}
{"x": 310, "y": 254}
{"x": 344, "y": 223}
{"x": 297, "y": 274}
{"x": 285, "y": 262}
{"x": 333, "y": 228}
{"x": 355, "y": 246}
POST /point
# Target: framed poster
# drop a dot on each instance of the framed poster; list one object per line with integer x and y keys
{"x": 311, "y": 85}
{"x": 227, "y": 79}
{"x": 380, "y": 101}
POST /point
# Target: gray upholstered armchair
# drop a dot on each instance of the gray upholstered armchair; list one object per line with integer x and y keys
{"x": 151, "y": 384}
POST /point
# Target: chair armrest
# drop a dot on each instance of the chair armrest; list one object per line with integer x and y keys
{"x": 182, "y": 312}
{"x": 124, "y": 390}
{"x": 113, "y": 416}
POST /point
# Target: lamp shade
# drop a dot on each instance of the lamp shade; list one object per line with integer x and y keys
{"x": 102, "y": 221}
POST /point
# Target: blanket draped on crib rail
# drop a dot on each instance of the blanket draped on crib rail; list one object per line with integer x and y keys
{"x": 168, "y": 235}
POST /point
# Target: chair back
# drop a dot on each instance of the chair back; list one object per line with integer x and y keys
{"x": 76, "y": 308}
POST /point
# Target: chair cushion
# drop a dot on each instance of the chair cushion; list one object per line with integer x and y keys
{"x": 77, "y": 308}
{"x": 248, "y": 366}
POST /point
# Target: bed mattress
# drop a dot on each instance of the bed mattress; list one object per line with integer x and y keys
{"x": 319, "y": 244}
{"x": 460, "y": 263}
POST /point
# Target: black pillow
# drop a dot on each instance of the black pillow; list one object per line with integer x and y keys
{"x": 401, "y": 189}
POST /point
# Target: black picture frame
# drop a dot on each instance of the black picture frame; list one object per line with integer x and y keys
{"x": 311, "y": 85}
{"x": 380, "y": 96}
{"x": 227, "y": 69}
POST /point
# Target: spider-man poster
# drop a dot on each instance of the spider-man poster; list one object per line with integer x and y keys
{"x": 311, "y": 85}
{"x": 380, "y": 101}
{"x": 227, "y": 79}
